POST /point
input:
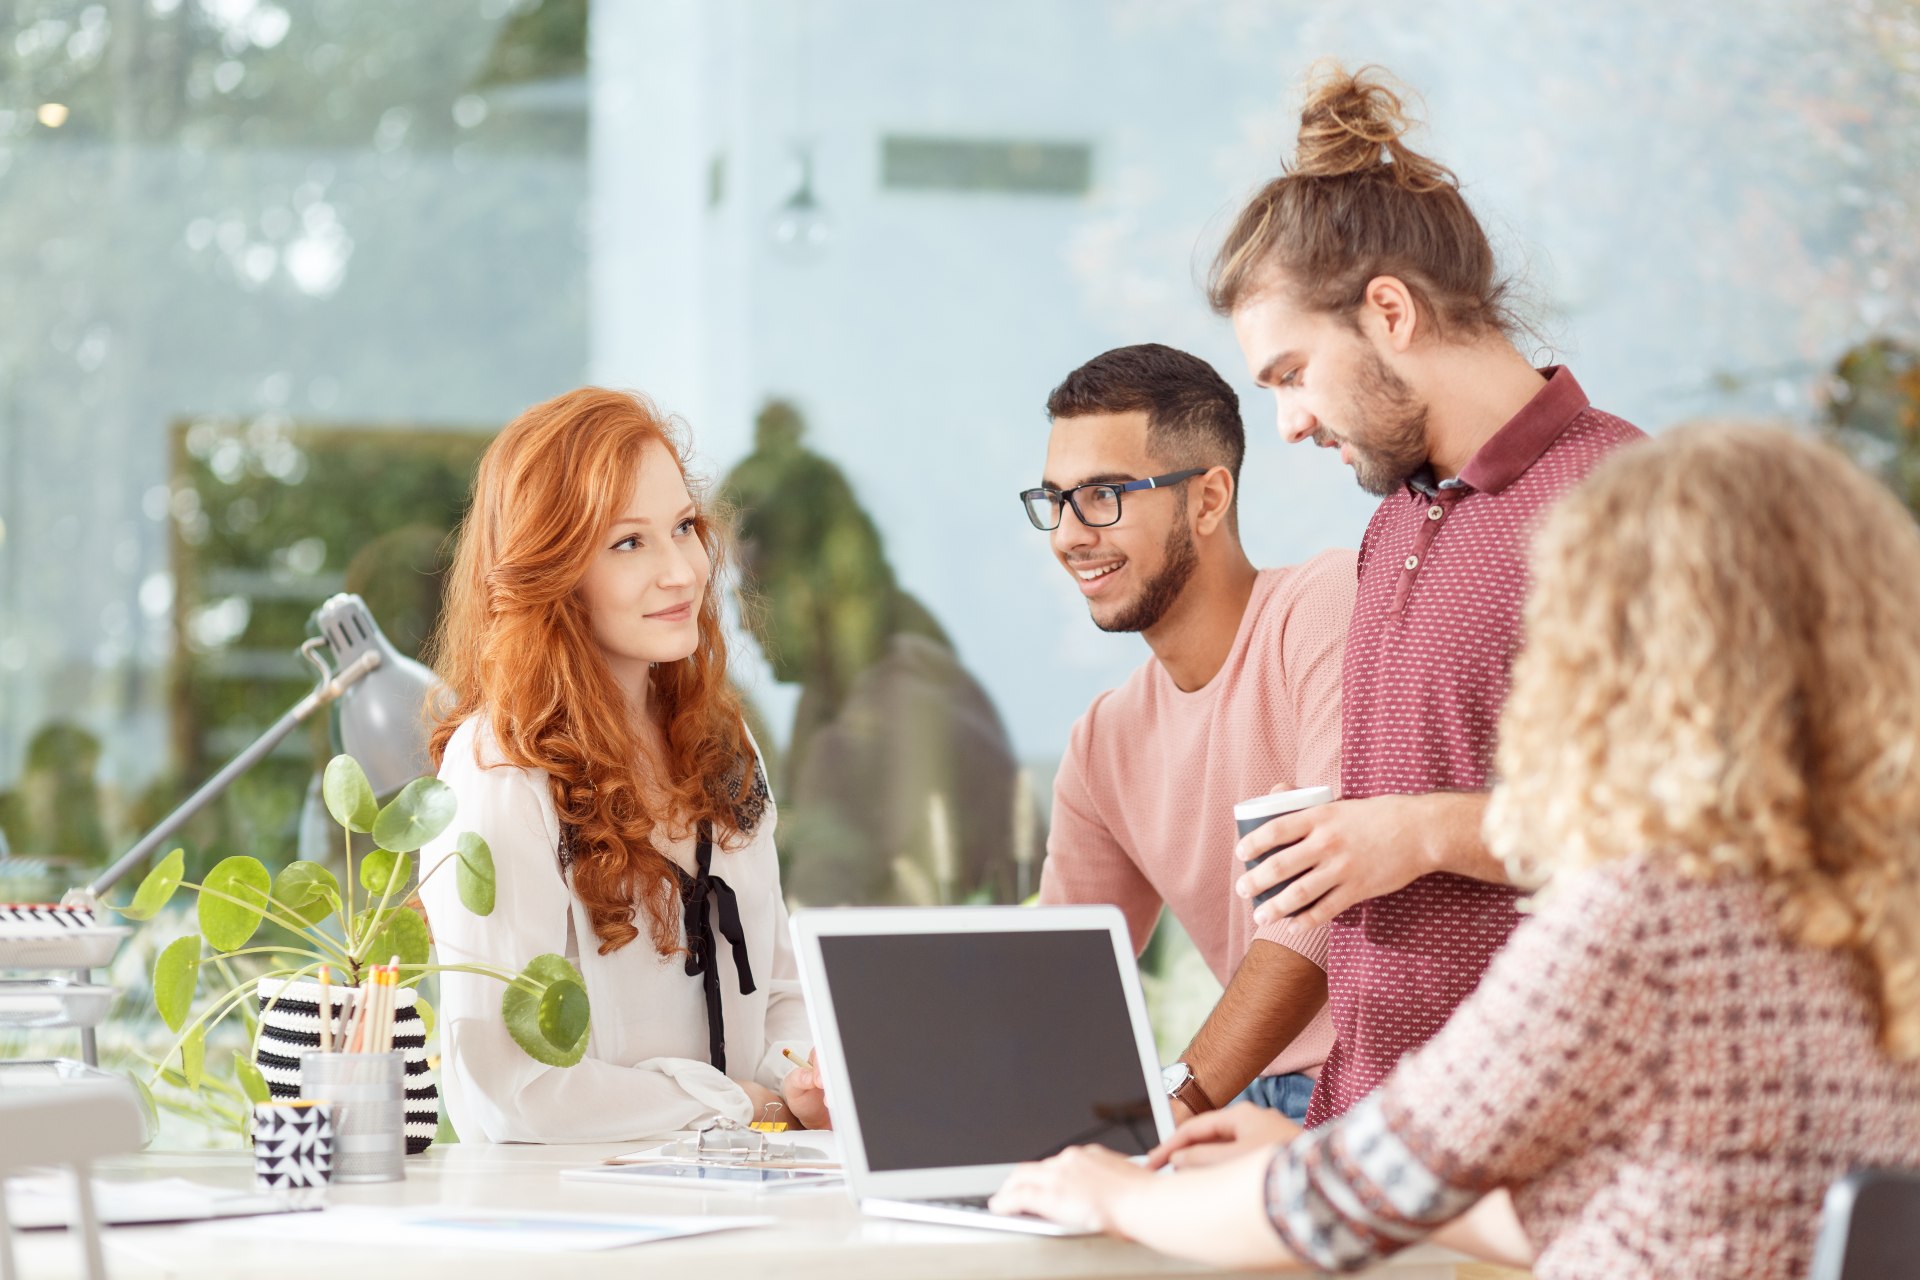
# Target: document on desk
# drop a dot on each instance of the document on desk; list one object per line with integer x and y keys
{"x": 45, "y": 1201}
{"x": 453, "y": 1227}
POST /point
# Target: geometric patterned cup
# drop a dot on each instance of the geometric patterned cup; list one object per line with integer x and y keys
{"x": 292, "y": 1145}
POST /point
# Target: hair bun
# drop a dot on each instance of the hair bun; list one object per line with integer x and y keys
{"x": 1353, "y": 123}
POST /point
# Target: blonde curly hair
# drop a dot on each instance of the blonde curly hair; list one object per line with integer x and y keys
{"x": 1722, "y": 669}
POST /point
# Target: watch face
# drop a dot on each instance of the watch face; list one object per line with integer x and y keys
{"x": 1171, "y": 1078}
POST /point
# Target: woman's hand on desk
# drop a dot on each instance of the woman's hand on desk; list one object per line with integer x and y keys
{"x": 1216, "y": 1136}
{"x": 805, "y": 1094}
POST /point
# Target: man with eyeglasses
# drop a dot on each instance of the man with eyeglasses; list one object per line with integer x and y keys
{"x": 1240, "y": 697}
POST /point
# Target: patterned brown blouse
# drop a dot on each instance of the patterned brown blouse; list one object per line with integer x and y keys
{"x": 1663, "y": 1081}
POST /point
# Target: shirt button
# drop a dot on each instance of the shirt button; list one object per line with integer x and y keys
{"x": 1413, "y": 562}
{"x": 1435, "y": 511}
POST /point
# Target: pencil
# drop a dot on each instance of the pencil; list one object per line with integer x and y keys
{"x": 391, "y": 1002}
{"x": 389, "y": 993}
{"x": 378, "y": 1018}
{"x": 794, "y": 1058}
{"x": 326, "y": 1009}
{"x": 350, "y": 1042}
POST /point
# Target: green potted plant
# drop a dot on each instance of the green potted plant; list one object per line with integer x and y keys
{"x": 320, "y": 923}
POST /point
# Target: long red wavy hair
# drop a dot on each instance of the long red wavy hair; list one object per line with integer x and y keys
{"x": 515, "y": 643}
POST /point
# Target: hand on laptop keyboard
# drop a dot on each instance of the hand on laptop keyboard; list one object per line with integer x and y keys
{"x": 1076, "y": 1188}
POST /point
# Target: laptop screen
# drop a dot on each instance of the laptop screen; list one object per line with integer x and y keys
{"x": 986, "y": 1048}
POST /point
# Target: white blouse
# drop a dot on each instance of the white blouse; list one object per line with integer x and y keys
{"x": 646, "y": 1071}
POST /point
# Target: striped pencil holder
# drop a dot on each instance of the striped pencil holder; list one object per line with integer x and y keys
{"x": 290, "y": 1026}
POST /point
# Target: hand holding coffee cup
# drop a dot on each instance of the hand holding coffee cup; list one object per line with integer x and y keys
{"x": 1250, "y": 815}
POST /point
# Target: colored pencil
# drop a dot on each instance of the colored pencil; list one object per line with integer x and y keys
{"x": 326, "y": 1009}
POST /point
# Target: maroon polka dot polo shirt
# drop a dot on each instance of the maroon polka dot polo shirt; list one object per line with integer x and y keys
{"x": 1436, "y": 623}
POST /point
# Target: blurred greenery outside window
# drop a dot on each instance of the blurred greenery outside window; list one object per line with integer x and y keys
{"x": 277, "y": 271}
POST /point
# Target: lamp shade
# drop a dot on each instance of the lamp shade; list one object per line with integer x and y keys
{"x": 381, "y": 719}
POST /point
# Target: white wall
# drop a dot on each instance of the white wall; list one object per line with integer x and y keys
{"x": 1673, "y": 179}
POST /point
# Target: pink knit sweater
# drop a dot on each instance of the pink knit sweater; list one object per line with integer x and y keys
{"x": 1666, "y": 1083}
{"x": 1143, "y": 802}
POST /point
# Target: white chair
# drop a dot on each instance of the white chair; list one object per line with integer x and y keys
{"x": 66, "y": 1125}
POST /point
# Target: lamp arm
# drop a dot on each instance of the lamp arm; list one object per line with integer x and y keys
{"x": 330, "y": 687}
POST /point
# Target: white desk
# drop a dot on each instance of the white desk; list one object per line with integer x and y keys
{"x": 819, "y": 1235}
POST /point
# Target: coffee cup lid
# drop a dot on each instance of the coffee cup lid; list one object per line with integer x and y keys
{"x": 1279, "y": 802}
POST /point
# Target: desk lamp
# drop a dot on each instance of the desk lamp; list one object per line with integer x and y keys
{"x": 380, "y": 697}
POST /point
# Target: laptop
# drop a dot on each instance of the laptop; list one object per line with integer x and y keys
{"x": 958, "y": 1042}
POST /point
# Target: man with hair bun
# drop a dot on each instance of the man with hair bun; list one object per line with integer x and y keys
{"x": 1364, "y": 294}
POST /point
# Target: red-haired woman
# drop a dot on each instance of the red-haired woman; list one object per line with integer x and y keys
{"x": 595, "y": 744}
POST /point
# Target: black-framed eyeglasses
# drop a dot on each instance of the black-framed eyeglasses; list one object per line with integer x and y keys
{"x": 1096, "y": 505}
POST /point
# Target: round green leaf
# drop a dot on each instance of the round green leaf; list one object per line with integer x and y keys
{"x": 149, "y": 1109}
{"x": 157, "y": 887}
{"x": 193, "y": 1058}
{"x": 475, "y": 874}
{"x": 551, "y": 1026}
{"x": 348, "y": 794}
{"x": 175, "y": 972}
{"x": 426, "y": 1013}
{"x": 383, "y": 872}
{"x": 420, "y": 812}
{"x": 563, "y": 1014}
{"x": 227, "y": 922}
{"x": 308, "y": 891}
{"x": 252, "y": 1082}
{"x": 401, "y": 933}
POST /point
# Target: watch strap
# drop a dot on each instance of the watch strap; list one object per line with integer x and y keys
{"x": 1190, "y": 1095}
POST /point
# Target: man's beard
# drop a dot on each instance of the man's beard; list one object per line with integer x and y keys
{"x": 1164, "y": 588}
{"x": 1396, "y": 446}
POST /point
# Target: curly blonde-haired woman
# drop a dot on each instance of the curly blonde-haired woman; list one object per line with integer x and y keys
{"x": 1709, "y": 762}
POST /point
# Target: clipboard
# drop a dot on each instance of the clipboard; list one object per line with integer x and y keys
{"x": 723, "y": 1154}
{"x": 724, "y": 1143}
{"x": 727, "y": 1177}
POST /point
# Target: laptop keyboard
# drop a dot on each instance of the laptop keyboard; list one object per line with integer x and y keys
{"x": 977, "y": 1203}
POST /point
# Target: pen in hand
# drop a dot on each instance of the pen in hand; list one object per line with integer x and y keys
{"x": 806, "y": 1063}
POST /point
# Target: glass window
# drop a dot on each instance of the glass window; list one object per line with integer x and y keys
{"x": 276, "y": 270}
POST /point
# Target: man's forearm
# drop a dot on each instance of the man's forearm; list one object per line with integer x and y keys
{"x": 1454, "y": 842}
{"x": 1272, "y": 997}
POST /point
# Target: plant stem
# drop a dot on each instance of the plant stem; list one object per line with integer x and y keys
{"x": 346, "y": 887}
{"x": 379, "y": 912}
{"x": 293, "y": 926}
{"x": 233, "y": 980}
{"x": 223, "y": 1005}
{"x": 485, "y": 971}
{"x": 260, "y": 1024}
{"x": 452, "y": 857}
{"x": 285, "y": 951}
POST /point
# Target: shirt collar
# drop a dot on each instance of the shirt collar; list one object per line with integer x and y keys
{"x": 1506, "y": 456}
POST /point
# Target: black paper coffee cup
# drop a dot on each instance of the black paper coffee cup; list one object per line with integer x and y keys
{"x": 1250, "y": 815}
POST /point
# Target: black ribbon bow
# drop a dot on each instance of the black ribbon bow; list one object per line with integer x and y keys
{"x": 703, "y": 951}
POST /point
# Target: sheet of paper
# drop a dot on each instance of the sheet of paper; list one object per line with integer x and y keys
{"x": 46, "y": 1201}
{"x": 452, "y": 1227}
